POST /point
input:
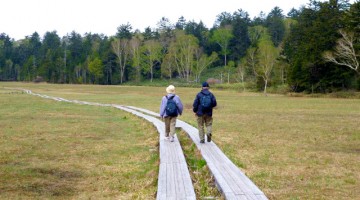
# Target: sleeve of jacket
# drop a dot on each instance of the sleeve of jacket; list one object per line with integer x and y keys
{"x": 214, "y": 101}
{"x": 163, "y": 106}
{"x": 196, "y": 104}
{"x": 179, "y": 105}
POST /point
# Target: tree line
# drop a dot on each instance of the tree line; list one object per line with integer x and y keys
{"x": 314, "y": 48}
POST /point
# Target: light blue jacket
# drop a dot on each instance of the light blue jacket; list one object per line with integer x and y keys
{"x": 164, "y": 102}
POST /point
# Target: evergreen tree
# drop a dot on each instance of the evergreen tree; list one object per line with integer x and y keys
{"x": 275, "y": 25}
{"x": 51, "y": 57}
{"x": 315, "y": 32}
{"x": 241, "y": 41}
{"x": 6, "y": 50}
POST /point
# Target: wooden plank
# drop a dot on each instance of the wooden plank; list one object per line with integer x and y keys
{"x": 163, "y": 153}
{"x": 170, "y": 186}
{"x": 231, "y": 181}
{"x": 237, "y": 184}
{"x": 220, "y": 180}
{"x": 181, "y": 157}
{"x": 246, "y": 188}
{"x": 180, "y": 188}
{"x": 235, "y": 174}
{"x": 245, "y": 179}
{"x": 161, "y": 188}
{"x": 251, "y": 197}
{"x": 241, "y": 197}
{"x": 261, "y": 197}
{"x": 189, "y": 189}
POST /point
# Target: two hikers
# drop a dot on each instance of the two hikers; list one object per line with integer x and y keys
{"x": 171, "y": 106}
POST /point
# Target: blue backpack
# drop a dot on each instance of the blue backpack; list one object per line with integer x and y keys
{"x": 206, "y": 102}
{"x": 171, "y": 107}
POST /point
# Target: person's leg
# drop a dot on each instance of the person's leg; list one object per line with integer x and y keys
{"x": 208, "y": 124}
{"x": 167, "y": 126}
{"x": 172, "y": 128}
{"x": 200, "y": 121}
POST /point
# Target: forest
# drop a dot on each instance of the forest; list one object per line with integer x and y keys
{"x": 314, "y": 48}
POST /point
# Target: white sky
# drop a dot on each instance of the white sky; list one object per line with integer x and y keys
{"x": 19, "y": 18}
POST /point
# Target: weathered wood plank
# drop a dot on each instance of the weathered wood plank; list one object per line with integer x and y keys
{"x": 171, "y": 191}
{"x": 189, "y": 190}
{"x": 161, "y": 192}
{"x": 180, "y": 188}
{"x": 241, "y": 180}
{"x": 261, "y": 197}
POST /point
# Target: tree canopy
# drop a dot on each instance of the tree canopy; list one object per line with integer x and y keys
{"x": 304, "y": 46}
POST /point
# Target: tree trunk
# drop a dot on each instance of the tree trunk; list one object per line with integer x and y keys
{"x": 265, "y": 86}
{"x": 151, "y": 73}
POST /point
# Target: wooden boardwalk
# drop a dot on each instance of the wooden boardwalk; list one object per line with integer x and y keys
{"x": 174, "y": 180}
{"x": 230, "y": 180}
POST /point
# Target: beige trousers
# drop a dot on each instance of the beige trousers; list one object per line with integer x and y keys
{"x": 170, "y": 123}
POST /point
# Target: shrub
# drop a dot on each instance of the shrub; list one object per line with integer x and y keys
{"x": 38, "y": 79}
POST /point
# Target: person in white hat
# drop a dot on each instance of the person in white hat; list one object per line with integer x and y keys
{"x": 171, "y": 106}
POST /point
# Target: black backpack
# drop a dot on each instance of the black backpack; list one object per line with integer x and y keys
{"x": 171, "y": 107}
{"x": 206, "y": 102}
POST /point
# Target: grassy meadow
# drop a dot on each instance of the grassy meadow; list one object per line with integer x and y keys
{"x": 55, "y": 150}
{"x": 291, "y": 147}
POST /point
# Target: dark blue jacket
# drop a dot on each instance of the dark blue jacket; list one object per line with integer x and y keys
{"x": 197, "y": 106}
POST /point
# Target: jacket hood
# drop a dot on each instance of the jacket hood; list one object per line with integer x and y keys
{"x": 205, "y": 91}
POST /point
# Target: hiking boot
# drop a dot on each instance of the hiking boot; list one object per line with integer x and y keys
{"x": 172, "y": 139}
{"x": 202, "y": 141}
{"x": 209, "y": 137}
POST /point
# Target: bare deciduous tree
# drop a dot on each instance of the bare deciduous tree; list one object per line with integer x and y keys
{"x": 267, "y": 54}
{"x": 168, "y": 65}
{"x": 135, "y": 43}
{"x": 183, "y": 50}
{"x": 240, "y": 72}
{"x": 344, "y": 53}
{"x": 202, "y": 62}
{"x": 121, "y": 50}
{"x": 153, "y": 51}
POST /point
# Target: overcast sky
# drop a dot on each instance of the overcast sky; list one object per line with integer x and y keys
{"x": 19, "y": 18}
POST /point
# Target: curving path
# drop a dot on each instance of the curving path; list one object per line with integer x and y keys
{"x": 174, "y": 180}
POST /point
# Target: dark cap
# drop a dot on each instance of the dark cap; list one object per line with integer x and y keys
{"x": 205, "y": 84}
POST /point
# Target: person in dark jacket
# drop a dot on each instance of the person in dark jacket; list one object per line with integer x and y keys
{"x": 204, "y": 115}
